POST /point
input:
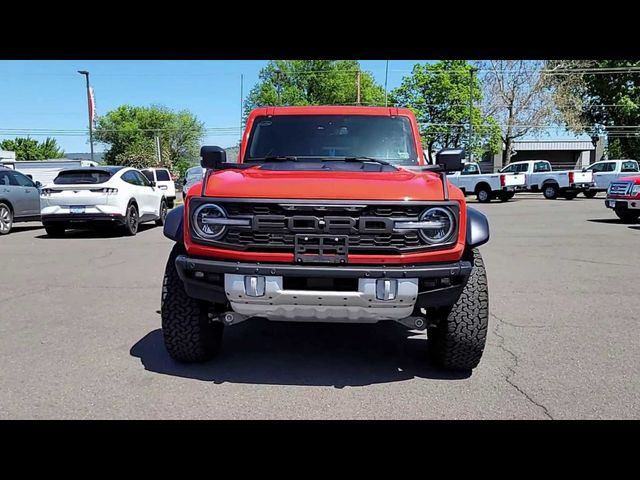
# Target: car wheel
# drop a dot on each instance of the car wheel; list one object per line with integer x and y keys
{"x": 163, "y": 213}
{"x": 189, "y": 335}
{"x": 54, "y": 230}
{"x": 6, "y": 219}
{"x": 626, "y": 216}
{"x": 550, "y": 191}
{"x": 171, "y": 203}
{"x": 458, "y": 339}
{"x": 570, "y": 196}
{"x": 590, "y": 193}
{"x": 131, "y": 221}
{"x": 483, "y": 195}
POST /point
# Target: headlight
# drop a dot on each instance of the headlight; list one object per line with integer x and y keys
{"x": 635, "y": 190}
{"x": 208, "y": 221}
{"x": 437, "y": 226}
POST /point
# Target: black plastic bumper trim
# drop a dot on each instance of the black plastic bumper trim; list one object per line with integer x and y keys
{"x": 82, "y": 218}
{"x": 437, "y": 270}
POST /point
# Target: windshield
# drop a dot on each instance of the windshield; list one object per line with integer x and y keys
{"x": 317, "y": 137}
{"x": 70, "y": 177}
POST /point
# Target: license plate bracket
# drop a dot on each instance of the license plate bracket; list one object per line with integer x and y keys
{"x": 321, "y": 248}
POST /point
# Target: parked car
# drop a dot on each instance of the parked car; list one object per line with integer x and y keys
{"x": 541, "y": 178}
{"x": 193, "y": 175}
{"x": 487, "y": 186}
{"x": 19, "y": 199}
{"x": 164, "y": 181}
{"x": 91, "y": 196}
{"x": 623, "y": 197}
{"x": 321, "y": 220}
{"x": 606, "y": 171}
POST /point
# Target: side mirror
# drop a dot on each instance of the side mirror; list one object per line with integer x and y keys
{"x": 38, "y": 184}
{"x": 451, "y": 159}
{"x": 153, "y": 183}
{"x": 212, "y": 157}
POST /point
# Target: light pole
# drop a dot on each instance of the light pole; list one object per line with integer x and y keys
{"x": 89, "y": 108}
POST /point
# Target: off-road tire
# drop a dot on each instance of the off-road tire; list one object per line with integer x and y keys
{"x": 458, "y": 340}
{"x": 189, "y": 334}
{"x": 550, "y": 191}
{"x": 626, "y": 216}
{"x": 54, "y": 230}
{"x": 163, "y": 213}
{"x": 590, "y": 193}
{"x": 131, "y": 221}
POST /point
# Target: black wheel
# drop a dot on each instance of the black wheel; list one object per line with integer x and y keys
{"x": 550, "y": 191}
{"x": 54, "y": 230}
{"x": 6, "y": 219}
{"x": 189, "y": 335}
{"x": 458, "y": 340}
{"x": 505, "y": 196}
{"x": 131, "y": 221}
{"x": 483, "y": 194}
{"x": 570, "y": 196}
{"x": 171, "y": 203}
{"x": 626, "y": 216}
{"x": 163, "y": 213}
{"x": 590, "y": 193}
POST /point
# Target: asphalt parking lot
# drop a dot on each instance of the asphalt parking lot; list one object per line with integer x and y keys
{"x": 80, "y": 337}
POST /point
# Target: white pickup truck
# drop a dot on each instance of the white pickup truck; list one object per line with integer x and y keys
{"x": 486, "y": 186}
{"x": 604, "y": 172}
{"x": 541, "y": 178}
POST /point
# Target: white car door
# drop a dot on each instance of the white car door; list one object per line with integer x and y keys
{"x": 149, "y": 194}
{"x": 468, "y": 177}
{"x": 604, "y": 175}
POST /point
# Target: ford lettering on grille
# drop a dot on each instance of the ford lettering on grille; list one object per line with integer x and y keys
{"x": 325, "y": 224}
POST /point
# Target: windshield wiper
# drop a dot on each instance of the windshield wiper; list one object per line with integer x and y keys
{"x": 356, "y": 159}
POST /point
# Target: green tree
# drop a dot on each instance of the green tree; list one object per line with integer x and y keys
{"x": 600, "y": 97}
{"x": 439, "y": 93}
{"x": 31, "y": 149}
{"x": 130, "y": 133}
{"x": 313, "y": 82}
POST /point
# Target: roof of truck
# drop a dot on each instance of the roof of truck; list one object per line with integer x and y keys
{"x": 332, "y": 110}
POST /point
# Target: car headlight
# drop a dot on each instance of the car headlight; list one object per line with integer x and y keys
{"x": 635, "y": 190}
{"x": 437, "y": 225}
{"x": 208, "y": 221}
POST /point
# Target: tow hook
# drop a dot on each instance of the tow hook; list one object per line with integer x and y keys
{"x": 228, "y": 318}
{"x": 416, "y": 323}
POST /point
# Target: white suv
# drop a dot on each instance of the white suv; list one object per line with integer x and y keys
{"x": 163, "y": 180}
{"x": 88, "y": 196}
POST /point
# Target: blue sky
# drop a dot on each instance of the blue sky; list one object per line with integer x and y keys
{"x": 51, "y": 95}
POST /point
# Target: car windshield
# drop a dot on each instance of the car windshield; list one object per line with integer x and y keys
{"x": 317, "y": 137}
{"x": 68, "y": 177}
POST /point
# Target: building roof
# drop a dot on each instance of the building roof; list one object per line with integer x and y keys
{"x": 575, "y": 145}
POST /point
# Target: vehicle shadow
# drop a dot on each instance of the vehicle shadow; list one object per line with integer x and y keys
{"x": 605, "y": 220}
{"x": 103, "y": 232}
{"x": 18, "y": 229}
{"x": 635, "y": 227}
{"x": 277, "y": 353}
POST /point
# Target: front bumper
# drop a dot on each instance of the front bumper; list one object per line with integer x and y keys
{"x": 414, "y": 286}
{"x": 622, "y": 203}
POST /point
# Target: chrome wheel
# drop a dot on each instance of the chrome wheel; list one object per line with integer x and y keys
{"x": 6, "y": 220}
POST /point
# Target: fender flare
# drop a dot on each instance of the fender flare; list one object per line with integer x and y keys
{"x": 173, "y": 224}
{"x": 477, "y": 228}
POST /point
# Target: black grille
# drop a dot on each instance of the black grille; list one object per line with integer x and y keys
{"x": 274, "y": 236}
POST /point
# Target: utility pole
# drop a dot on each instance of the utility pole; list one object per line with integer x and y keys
{"x": 278, "y": 73}
{"x": 158, "y": 149}
{"x": 90, "y": 109}
{"x": 386, "y": 77}
{"x": 471, "y": 72}
{"x": 358, "y": 87}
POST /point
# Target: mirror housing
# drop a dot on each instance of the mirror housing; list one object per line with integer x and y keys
{"x": 450, "y": 159}
{"x": 212, "y": 157}
{"x": 152, "y": 182}
{"x": 38, "y": 184}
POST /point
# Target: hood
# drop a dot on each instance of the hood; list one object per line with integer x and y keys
{"x": 256, "y": 183}
{"x": 635, "y": 179}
